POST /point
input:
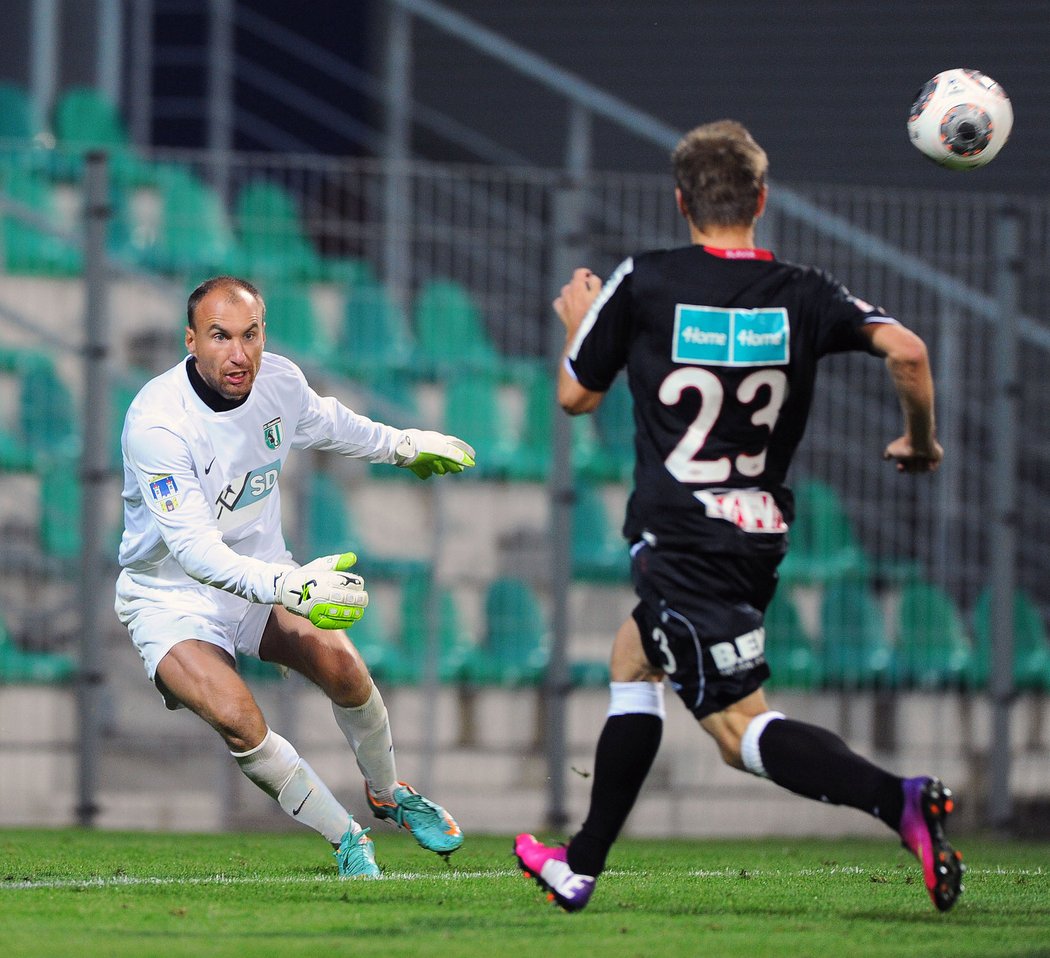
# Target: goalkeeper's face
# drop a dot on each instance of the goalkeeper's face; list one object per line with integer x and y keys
{"x": 227, "y": 338}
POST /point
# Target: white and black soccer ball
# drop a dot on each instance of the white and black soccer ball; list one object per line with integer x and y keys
{"x": 961, "y": 119}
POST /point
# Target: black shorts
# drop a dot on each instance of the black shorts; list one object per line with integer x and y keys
{"x": 700, "y": 617}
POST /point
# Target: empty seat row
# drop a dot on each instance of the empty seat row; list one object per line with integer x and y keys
{"x": 512, "y": 651}
{"x": 930, "y": 645}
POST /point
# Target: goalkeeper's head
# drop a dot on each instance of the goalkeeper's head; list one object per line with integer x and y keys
{"x": 720, "y": 175}
{"x": 226, "y": 333}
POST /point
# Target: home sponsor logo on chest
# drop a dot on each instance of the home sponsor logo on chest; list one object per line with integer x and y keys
{"x": 714, "y": 336}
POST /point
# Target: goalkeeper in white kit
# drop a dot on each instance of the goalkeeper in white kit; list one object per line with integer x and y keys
{"x": 206, "y": 573}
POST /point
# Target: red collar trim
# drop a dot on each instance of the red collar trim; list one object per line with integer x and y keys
{"x": 741, "y": 253}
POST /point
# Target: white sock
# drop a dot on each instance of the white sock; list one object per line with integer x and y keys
{"x": 367, "y": 729}
{"x": 629, "y": 698}
{"x": 275, "y": 766}
{"x": 750, "y": 754}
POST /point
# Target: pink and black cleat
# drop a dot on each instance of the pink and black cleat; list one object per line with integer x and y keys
{"x": 548, "y": 868}
{"x": 927, "y": 803}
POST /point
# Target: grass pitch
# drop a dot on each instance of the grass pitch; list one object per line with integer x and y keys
{"x": 112, "y": 895}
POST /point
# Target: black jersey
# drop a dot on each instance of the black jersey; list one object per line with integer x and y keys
{"x": 721, "y": 350}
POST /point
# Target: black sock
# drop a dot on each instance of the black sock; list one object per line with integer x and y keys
{"x": 626, "y": 749}
{"x": 814, "y": 762}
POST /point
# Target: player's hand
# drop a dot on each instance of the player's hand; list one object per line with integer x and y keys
{"x": 576, "y": 298}
{"x": 428, "y": 453}
{"x": 324, "y": 592}
{"x": 912, "y": 459}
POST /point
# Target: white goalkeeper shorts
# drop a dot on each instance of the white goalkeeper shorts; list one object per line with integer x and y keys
{"x": 160, "y": 617}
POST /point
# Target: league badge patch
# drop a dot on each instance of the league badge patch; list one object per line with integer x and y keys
{"x": 165, "y": 493}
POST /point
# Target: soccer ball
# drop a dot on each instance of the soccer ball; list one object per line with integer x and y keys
{"x": 961, "y": 119}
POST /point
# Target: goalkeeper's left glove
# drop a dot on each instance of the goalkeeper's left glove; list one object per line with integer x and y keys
{"x": 428, "y": 453}
{"x": 324, "y": 592}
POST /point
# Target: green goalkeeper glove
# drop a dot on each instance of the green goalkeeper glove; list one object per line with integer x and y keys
{"x": 428, "y": 453}
{"x": 324, "y": 592}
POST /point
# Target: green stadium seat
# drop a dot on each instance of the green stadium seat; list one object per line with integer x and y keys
{"x": 450, "y": 333}
{"x": 15, "y": 455}
{"x": 418, "y": 616}
{"x": 790, "y": 651}
{"x": 855, "y": 651}
{"x": 27, "y": 249}
{"x": 292, "y": 324}
{"x": 474, "y": 412}
{"x": 534, "y": 451}
{"x": 611, "y": 457}
{"x": 16, "y": 116}
{"x": 374, "y": 340}
{"x": 588, "y": 673}
{"x": 43, "y": 427}
{"x": 47, "y": 415}
{"x": 391, "y": 398}
{"x": 1031, "y": 645}
{"x": 599, "y": 552}
{"x": 270, "y": 225}
{"x": 933, "y": 648}
{"x": 822, "y": 543}
{"x": 513, "y": 651}
{"x": 19, "y": 666}
{"x": 377, "y": 646}
{"x": 84, "y": 119}
{"x": 330, "y": 529}
{"x": 60, "y": 505}
{"x": 195, "y": 235}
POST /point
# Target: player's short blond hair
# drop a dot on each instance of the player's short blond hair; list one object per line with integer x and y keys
{"x": 721, "y": 171}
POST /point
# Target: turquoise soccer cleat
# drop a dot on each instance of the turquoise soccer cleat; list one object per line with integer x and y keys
{"x": 356, "y": 855}
{"x": 429, "y": 823}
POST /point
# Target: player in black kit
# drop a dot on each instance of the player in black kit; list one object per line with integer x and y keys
{"x": 720, "y": 342}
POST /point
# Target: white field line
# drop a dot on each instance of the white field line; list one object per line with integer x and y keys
{"x": 126, "y": 881}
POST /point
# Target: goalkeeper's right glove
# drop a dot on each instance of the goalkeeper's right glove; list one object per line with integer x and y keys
{"x": 324, "y": 592}
{"x": 428, "y": 453}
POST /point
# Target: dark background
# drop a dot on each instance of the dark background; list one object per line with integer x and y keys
{"x": 825, "y": 86}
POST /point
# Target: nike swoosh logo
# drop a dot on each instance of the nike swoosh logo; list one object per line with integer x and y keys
{"x": 297, "y": 810}
{"x": 207, "y": 468}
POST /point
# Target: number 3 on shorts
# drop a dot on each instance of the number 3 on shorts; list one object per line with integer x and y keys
{"x": 670, "y": 664}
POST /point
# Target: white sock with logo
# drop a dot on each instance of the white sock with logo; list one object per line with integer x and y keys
{"x": 367, "y": 729}
{"x": 275, "y": 766}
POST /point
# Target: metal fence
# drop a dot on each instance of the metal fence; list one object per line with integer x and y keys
{"x": 420, "y": 294}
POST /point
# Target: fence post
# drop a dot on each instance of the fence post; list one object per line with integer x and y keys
{"x": 397, "y": 148}
{"x": 95, "y": 586}
{"x": 1003, "y": 495}
{"x": 221, "y": 59}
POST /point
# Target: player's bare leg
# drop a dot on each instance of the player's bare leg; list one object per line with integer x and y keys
{"x": 203, "y": 678}
{"x": 330, "y": 660}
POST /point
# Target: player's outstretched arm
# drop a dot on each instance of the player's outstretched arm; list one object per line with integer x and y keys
{"x": 907, "y": 361}
{"x": 428, "y": 453}
{"x": 324, "y": 591}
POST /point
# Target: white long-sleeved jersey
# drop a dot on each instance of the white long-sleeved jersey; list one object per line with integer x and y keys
{"x": 201, "y": 488}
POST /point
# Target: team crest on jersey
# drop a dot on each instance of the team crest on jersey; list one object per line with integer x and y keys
{"x": 273, "y": 433}
{"x": 714, "y": 336}
{"x": 165, "y": 493}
